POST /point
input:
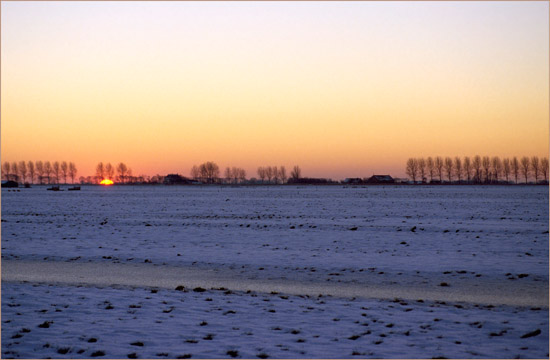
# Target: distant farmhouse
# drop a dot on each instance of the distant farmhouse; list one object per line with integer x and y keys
{"x": 9, "y": 184}
{"x": 380, "y": 179}
{"x": 175, "y": 179}
{"x": 354, "y": 181}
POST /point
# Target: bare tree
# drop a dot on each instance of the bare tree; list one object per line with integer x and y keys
{"x": 228, "y": 174}
{"x": 431, "y": 168}
{"x": 195, "y": 173}
{"x": 30, "y": 166}
{"x": 525, "y": 167}
{"x": 476, "y": 164}
{"x": 100, "y": 172}
{"x": 23, "y": 171}
{"x": 242, "y": 175}
{"x": 282, "y": 174}
{"x": 515, "y": 168}
{"x": 269, "y": 173}
{"x": 64, "y": 171}
{"x": 109, "y": 171}
{"x": 210, "y": 171}
{"x": 56, "y": 171}
{"x": 496, "y": 165}
{"x": 544, "y": 167}
{"x": 72, "y": 171}
{"x": 6, "y": 170}
{"x": 412, "y": 169}
{"x": 130, "y": 177}
{"x": 467, "y": 168}
{"x": 296, "y": 173}
{"x": 439, "y": 167}
{"x": 275, "y": 173}
{"x": 261, "y": 173}
{"x": 15, "y": 171}
{"x": 121, "y": 169}
{"x": 458, "y": 168}
{"x": 535, "y": 165}
{"x": 449, "y": 168}
{"x": 40, "y": 171}
{"x": 486, "y": 164}
{"x": 48, "y": 171}
{"x": 506, "y": 168}
{"x": 422, "y": 169}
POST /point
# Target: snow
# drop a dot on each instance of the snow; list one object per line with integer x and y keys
{"x": 362, "y": 245}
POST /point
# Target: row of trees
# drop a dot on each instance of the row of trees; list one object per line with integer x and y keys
{"x": 209, "y": 172}
{"x": 234, "y": 175}
{"x": 107, "y": 171}
{"x": 278, "y": 175}
{"x": 41, "y": 171}
{"x": 272, "y": 174}
{"x": 478, "y": 170}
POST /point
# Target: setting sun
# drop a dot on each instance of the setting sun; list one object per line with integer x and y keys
{"x": 106, "y": 182}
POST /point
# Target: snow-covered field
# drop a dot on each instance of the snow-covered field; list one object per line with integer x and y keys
{"x": 476, "y": 257}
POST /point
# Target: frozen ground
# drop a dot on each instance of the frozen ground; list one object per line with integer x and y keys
{"x": 489, "y": 244}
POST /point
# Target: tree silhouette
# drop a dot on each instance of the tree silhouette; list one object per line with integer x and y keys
{"x": 476, "y": 164}
{"x": 449, "y": 168}
{"x": 282, "y": 174}
{"x": 109, "y": 171}
{"x": 72, "y": 171}
{"x": 296, "y": 173}
{"x": 535, "y": 165}
{"x": 15, "y": 171}
{"x": 486, "y": 164}
{"x": 525, "y": 167}
{"x": 468, "y": 168}
{"x": 6, "y": 170}
{"x": 506, "y": 168}
{"x": 544, "y": 167}
{"x": 100, "y": 172}
{"x": 431, "y": 168}
{"x": 261, "y": 173}
{"x": 64, "y": 171}
{"x": 496, "y": 165}
{"x": 412, "y": 168}
{"x": 23, "y": 171}
{"x": 48, "y": 171}
{"x": 30, "y": 166}
{"x": 209, "y": 171}
{"x": 195, "y": 173}
{"x": 56, "y": 170}
{"x": 40, "y": 171}
{"x": 275, "y": 173}
{"x": 439, "y": 167}
{"x": 458, "y": 168}
{"x": 228, "y": 174}
{"x": 421, "y": 168}
{"x": 241, "y": 174}
{"x": 269, "y": 173}
{"x": 122, "y": 171}
{"x": 515, "y": 168}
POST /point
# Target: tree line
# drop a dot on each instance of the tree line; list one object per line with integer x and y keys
{"x": 209, "y": 172}
{"x": 107, "y": 171}
{"x": 477, "y": 170}
{"x": 41, "y": 171}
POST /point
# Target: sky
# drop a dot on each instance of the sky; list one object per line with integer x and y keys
{"x": 342, "y": 89}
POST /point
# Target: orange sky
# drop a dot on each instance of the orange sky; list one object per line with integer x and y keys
{"x": 342, "y": 89}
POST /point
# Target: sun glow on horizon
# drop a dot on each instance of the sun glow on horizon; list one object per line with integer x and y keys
{"x": 106, "y": 182}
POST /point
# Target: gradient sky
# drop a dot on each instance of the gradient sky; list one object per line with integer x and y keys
{"x": 343, "y": 89}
